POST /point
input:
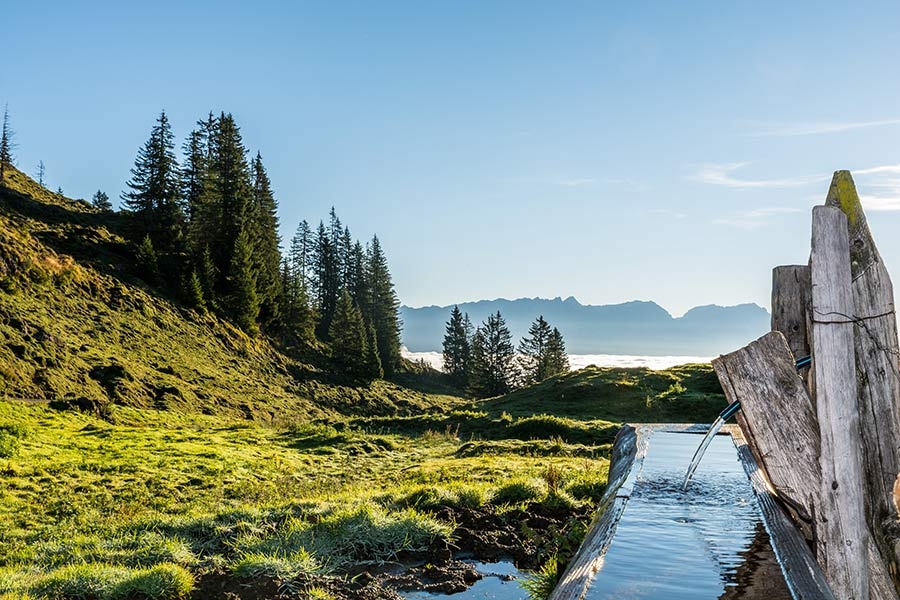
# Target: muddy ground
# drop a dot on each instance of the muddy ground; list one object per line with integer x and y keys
{"x": 526, "y": 536}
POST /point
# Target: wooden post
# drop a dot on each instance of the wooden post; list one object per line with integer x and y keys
{"x": 790, "y": 307}
{"x": 877, "y": 351}
{"x": 844, "y": 536}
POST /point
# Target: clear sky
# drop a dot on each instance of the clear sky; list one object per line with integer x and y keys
{"x": 664, "y": 151}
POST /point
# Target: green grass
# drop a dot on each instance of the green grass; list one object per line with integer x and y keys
{"x": 92, "y": 504}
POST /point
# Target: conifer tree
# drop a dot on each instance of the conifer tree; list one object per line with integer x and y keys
{"x": 147, "y": 261}
{"x": 198, "y": 183}
{"x": 557, "y": 359}
{"x": 243, "y": 301}
{"x": 385, "y": 308}
{"x": 208, "y": 279}
{"x": 101, "y": 201}
{"x": 6, "y": 145}
{"x": 193, "y": 292}
{"x": 154, "y": 195}
{"x": 373, "y": 361}
{"x": 301, "y": 253}
{"x": 457, "y": 351}
{"x": 533, "y": 352}
{"x": 358, "y": 283}
{"x": 348, "y": 338}
{"x": 298, "y": 317}
{"x": 493, "y": 359}
{"x": 41, "y": 172}
{"x": 267, "y": 255}
{"x": 326, "y": 281}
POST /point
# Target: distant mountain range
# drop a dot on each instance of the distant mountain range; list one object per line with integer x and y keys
{"x": 639, "y": 328}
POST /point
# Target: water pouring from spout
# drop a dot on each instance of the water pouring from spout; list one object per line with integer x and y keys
{"x": 717, "y": 425}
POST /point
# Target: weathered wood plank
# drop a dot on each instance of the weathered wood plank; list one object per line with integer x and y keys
{"x": 790, "y": 306}
{"x": 877, "y": 351}
{"x": 778, "y": 420}
{"x": 628, "y": 448}
{"x": 842, "y": 532}
{"x": 803, "y": 576}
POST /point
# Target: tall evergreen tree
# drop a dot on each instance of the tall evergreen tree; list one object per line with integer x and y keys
{"x": 267, "y": 255}
{"x": 557, "y": 360}
{"x": 457, "y": 350}
{"x": 101, "y": 201}
{"x": 6, "y": 145}
{"x": 326, "y": 281}
{"x": 385, "y": 308}
{"x": 493, "y": 358}
{"x": 533, "y": 352}
{"x": 299, "y": 319}
{"x": 301, "y": 254}
{"x": 357, "y": 281}
{"x": 154, "y": 191}
{"x": 198, "y": 183}
{"x": 243, "y": 301}
{"x": 373, "y": 366}
{"x": 41, "y": 172}
{"x": 348, "y": 338}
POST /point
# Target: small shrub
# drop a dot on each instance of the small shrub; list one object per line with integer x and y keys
{"x": 165, "y": 581}
{"x": 87, "y": 581}
{"x": 520, "y": 490}
{"x": 540, "y": 584}
{"x": 257, "y": 564}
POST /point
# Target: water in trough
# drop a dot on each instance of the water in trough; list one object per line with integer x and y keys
{"x": 705, "y": 542}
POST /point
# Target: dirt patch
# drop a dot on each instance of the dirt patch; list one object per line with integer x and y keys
{"x": 527, "y": 536}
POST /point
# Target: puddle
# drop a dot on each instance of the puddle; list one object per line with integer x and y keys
{"x": 500, "y": 581}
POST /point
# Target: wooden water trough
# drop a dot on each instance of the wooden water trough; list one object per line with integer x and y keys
{"x": 822, "y": 446}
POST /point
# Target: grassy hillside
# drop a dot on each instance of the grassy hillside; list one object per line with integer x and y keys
{"x": 75, "y": 327}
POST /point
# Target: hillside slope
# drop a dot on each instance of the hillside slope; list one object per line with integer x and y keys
{"x": 76, "y": 327}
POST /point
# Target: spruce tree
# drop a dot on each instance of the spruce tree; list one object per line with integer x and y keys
{"x": 557, "y": 359}
{"x": 358, "y": 283}
{"x": 198, "y": 183}
{"x": 225, "y": 207}
{"x": 326, "y": 281}
{"x": 299, "y": 320}
{"x": 154, "y": 196}
{"x": 41, "y": 172}
{"x": 209, "y": 277}
{"x": 493, "y": 359}
{"x": 101, "y": 201}
{"x": 192, "y": 292}
{"x": 301, "y": 254}
{"x": 385, "y": 308}
{"x": 533, "y": 352}
{"x": 148, "y": 263}
{"x": 267, "y": 255}
{"x": 373, "y": 366}
{"x": 348, "y": 338}
{"x": 457, "y": 351}
{"x": 6, "y": 145}
{"x": 243, "y": 301}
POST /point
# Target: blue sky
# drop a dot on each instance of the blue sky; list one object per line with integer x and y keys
{"x": 611, "y": 151}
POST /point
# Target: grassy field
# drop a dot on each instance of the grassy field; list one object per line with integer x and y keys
{"x": 91, "y": 505}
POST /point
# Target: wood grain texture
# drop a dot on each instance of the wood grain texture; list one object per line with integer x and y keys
{"x": 629, "y": 448}
{"x": 877, "y": 371}
{"x": 842, "y": 532}
{"x": 778, "y": 421}
{"x": 790, "y": 307}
